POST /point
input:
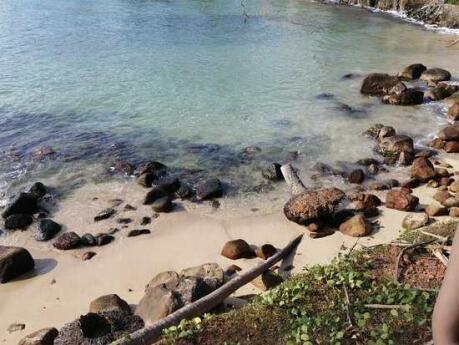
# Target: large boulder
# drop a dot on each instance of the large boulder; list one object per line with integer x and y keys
{"x": 211, "y": 273}
{"x": 43, "y": 336}
{"x": 98, "y": 329}
{"x": 422, "y": 169}
{"x": 153, "y": 195}
{"x": 68, "y": 240}
{"x": 380, "y": 84}
{"x": 312, "y": 206}
{"x": 409, "y": 96}
{"x": 449, "y": 133}
{"x": 38, "y": 190}
{"x": 18, "y": 221}
{"x": 452, "y": 146}
{"x": 357, "y": 226}
{"x": 209, "y": 189}
{"x": 401, "y": 200}
{"x": 157, "y": 303}
{"x": 25, "y": 203}
{"x": 412, "y": 72}
{"x": 237, "y": 249}
{"x": 432, "y": 76}
{"x": 46, "y": 230}
{"x": 14, "y": 261}
{"x": 109, "y": 303}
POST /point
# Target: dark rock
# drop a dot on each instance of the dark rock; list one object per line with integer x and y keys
{"x": 363, "y": 201}
{"x": 88, "y": 240}
{"x": 368, "y": 161}
{"x": 163, "y": 205}
{"x": 25, "y": 203}
{"x": 43, "y": 336}
{"x": 14, "y": 261}
{"x": 128, "y": 207}
{"x": 43, "y": 153}
{"x": 408, "y": 97}
{"x": 146, "y": 179}
{"x": 313, "y": 205}
{"x": 412, "y": 72}
{"x": 105, "y": 214}
{"x": 411, "y": 183}
{"x": 209, "y": 189}
{"x": 145, "y": 221}
{"x": 153, "y": 195}
{"x": 109, "y": 303}
{"x": 356, "y": 226}
{"x": 401, "y": 200}
{"x": 15, "y": 327}
{"x": 267, "y": 280}
{"x": 323, "y": 169}
{"x": 156, "y": 168}
{"x": 215, "y": 204}
{"x": 122, "y": 167}
{"x": 441, "y": 91}
{"x": 184, "y": 192}
{"x": 434, "y": 75}
{"x": 237, "y": 249}
{"x": 138, "y": 232}
{"x": 356, "y": 176}
{"x": 38, "y": 190}
{"x": 422, "y": 169}
{"x": 116, "y": 202}
{"x": 325, "y": 95}
{"x": 379, "y": 84}
{"x": 395, "y": 147}
{"x": 124, "y": 220}
{"x": 18, "y": 221}
{"x": 265, "y": 251}
{"x": 98, "y": 329}
{"x": 169, "y": 185}
{"x": 46, "y": 230}
{"x": 68, "y": 240}
{"x": 104, "y": 239}
{"x": 88, "y": 255}
{"x": 378, "y": 131}
{"x": 272, "y": 172}
{"x": 349, "y": 76}
{"x": 449, "y": 133}
{"x": 232, "y": 269}
{"x": 249, "y": 152}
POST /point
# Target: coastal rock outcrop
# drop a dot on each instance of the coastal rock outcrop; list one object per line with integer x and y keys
{"x": 18, "y": 221}
{"x": 25, "y": 203}
{"x": 312, "y": 206}
{"x": 412, "y": 72}
{"x": 432, "y": 76}
{"x": 265, "y": 251}
{"x": 381, "y": 84}
{"x": 14, "y": 261}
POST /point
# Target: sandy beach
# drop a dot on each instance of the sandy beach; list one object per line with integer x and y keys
{"x": 62, "y": 285}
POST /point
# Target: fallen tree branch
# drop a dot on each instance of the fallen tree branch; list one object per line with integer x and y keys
{"x": 441, "y": 238}
{"x": 384, "y": 306}
{"x": 397, "y": 262}
{"x": 151, "y": 333}
{"x": 293, "y": 181}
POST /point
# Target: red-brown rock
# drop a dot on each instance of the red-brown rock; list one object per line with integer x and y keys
{"x": 401, "y": 200}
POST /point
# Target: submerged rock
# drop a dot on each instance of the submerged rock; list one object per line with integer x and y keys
{"x": 25, "y": 203}
{"x": 380, "y": 84}
{"x": 209, "y": 189}
{"x": 88, "y": 240}
{"x": 237, "y": 249}
{"x": 14, "y": 261}
{"x": 408, "y": 97}
{"x": 441, "y": 91}
{"x": 38, "y": 190}
{"x": 46, "y": 230}
{"x": 311, "y": 206}
{"x": 272, "y": 172}
{"x": 412, "y": 72}
{"x": 18, "y": 221}
{"x": 434, "y": 75}
{"x": 157, "y": 169}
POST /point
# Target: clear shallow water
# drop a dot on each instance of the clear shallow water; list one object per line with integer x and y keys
{"x": 191, "y": 83}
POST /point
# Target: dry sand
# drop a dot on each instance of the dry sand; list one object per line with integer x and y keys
{"x": 63, "y": 285}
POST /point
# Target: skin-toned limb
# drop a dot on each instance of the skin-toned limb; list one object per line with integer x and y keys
{"x": 445, "y": 321}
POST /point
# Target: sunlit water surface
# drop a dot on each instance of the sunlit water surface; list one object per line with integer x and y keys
{"x": 192, "y": 83}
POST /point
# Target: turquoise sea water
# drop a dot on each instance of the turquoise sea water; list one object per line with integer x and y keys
{"x": 192, "y": 82}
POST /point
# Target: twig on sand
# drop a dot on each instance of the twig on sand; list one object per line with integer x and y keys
{"x": 453, "y": 43}
{"x": 151, "y": 333}
{"x": 397, "y": 262}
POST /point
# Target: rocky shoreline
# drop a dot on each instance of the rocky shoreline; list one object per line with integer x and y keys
{"x": 434, "y": 13}
{"x": 320, "y": 211}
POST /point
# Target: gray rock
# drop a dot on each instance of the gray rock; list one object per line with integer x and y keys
{"x": 109, "y": 303}
{"x": 25, "y": 203}
{"x": 18, "y": 221}
{"x": 46, "y": 230}
{"x": 88, "y": 240}
{"x": 104, "y": 239}
{"x": 162, "y": 205}
{"x": 157, "y": 303}
{"x": 138, "y": 232}
{"x": 38, "y": 190}
{"x": 209, "y": 189}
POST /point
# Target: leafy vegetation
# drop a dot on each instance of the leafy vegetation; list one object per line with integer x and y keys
{"x": 452, "y": 2}
{"x": 353, "y": 300}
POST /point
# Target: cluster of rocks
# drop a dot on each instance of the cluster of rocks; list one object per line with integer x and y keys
{"x": 393, "y": 90}
{"x": 27, "y": 207}
{"x": 447, "y": 139}
{"x": 165, "y": 188}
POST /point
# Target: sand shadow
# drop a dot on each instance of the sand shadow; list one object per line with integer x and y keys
{"x": 42, "y": 267}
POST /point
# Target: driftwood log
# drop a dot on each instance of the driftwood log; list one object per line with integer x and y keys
{"x": 294, "y": 183}
{"x": 149, "y": 334}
